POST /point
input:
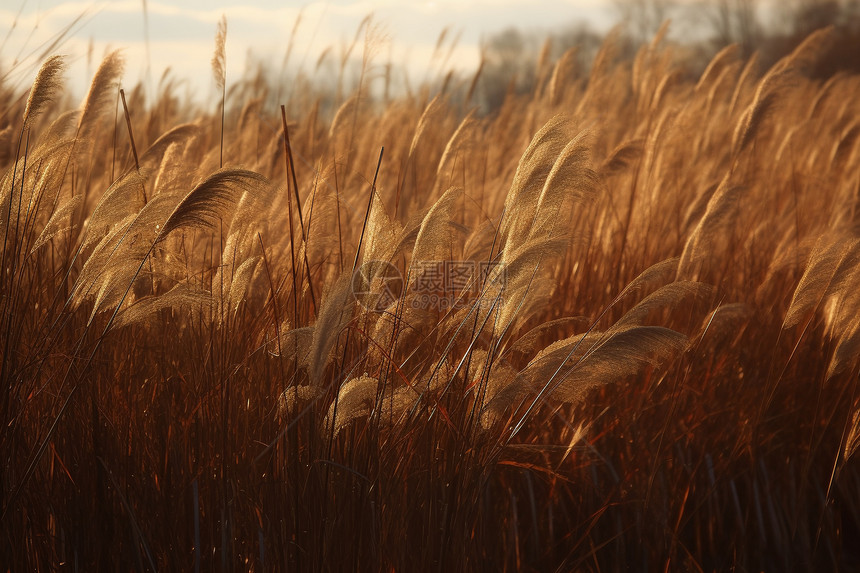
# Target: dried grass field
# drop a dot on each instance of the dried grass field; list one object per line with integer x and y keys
{"x": 612, "y": 325}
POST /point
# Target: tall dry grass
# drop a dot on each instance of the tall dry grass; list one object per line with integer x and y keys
{"x": 658, "y": 369}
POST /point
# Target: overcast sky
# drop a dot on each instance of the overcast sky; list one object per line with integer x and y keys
{"x": 181, "y": 32}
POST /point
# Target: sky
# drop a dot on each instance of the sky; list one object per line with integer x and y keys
{"x": 181, "y": 32}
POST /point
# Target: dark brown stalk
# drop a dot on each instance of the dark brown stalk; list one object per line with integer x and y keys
{"x": 292, "y": 234}
{"x": 276, "y": 315}
{"x": 131, "y": 139}
{"x": 330, "y": 431}
{"x": 292, "y": 168}
{"x": 130, "y": 131}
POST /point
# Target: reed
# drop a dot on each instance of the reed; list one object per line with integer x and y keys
{"x": 617, "y": 331}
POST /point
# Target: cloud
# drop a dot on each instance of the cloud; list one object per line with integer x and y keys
{"x": 181, "y": 33}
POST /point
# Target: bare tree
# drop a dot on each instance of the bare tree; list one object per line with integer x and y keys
{"x": 732, "y": 21}
{"x": 644, "y": 17}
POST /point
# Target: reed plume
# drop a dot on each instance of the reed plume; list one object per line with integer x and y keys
{"x": 219, "y": 71}
{"x": 48, "y": 82}
{"x": 101, "y": 93}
